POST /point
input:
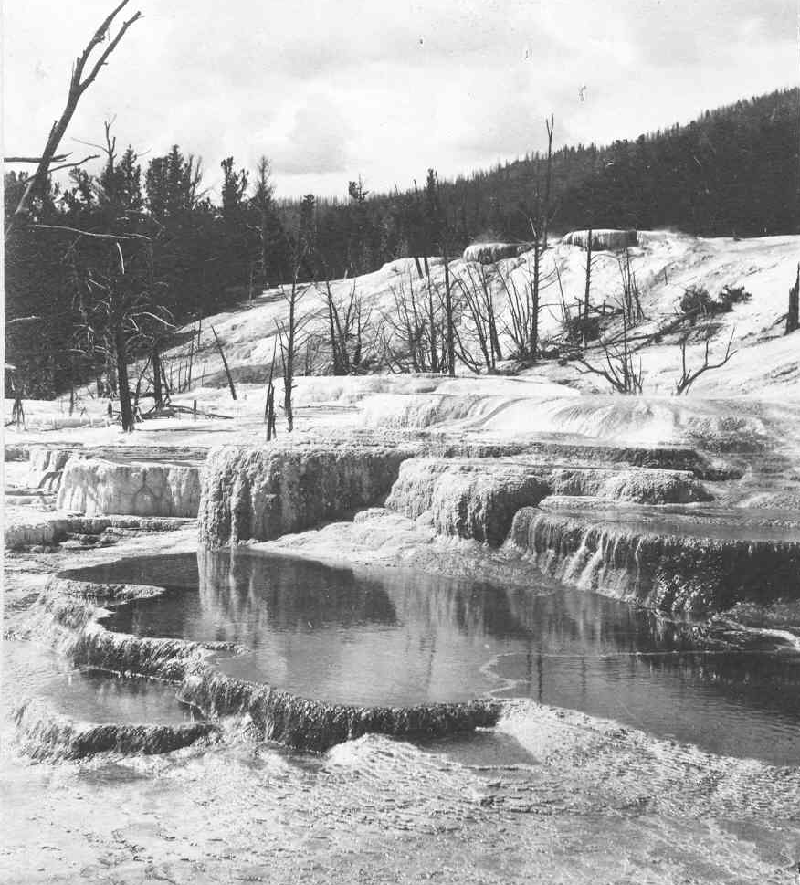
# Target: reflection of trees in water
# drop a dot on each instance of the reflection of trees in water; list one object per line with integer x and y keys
{"x": 744, "y": 673}
{"x": 594, "y": 624}
{"x": 165, "y": 570}
{"x": 278, "y": 593}
{"x": 247, "y": 594}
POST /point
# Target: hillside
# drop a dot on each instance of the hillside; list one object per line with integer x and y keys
{"x": 733, "y": 170}
{"x": 756, "y": 392}
{"x": 665, "y": 264}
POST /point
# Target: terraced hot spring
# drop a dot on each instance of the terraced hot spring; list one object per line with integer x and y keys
{"x": 88, "y": 695}
{"x": 395, "y": 638}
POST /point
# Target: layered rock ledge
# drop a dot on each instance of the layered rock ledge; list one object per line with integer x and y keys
{"x": 679, "y": 566}
{"x": 259, "y": 494}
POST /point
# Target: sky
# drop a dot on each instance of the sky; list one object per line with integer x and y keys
{"x": 333, "y": 90}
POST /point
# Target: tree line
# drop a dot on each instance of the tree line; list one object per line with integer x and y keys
{"x": 731, "y": 172}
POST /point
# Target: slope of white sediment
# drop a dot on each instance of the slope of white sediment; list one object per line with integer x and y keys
{"x": 755, "y": 393}
{"x": 665, "y": 264}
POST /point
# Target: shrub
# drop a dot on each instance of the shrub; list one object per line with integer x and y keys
{"x": 696, "y": 300}
{"x": 731, "y": 295}
{"x": 578, "y": 329}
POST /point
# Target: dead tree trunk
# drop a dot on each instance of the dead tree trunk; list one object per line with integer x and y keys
{"x": 450, "y": 338}
{"x": 77, "y": 86}
{"x": 120, "y": 349}
{"x": 588, "y": 285}
{"x": 224, "y": 363}
{"x": 269, "y": 411}
{"x": 534, "y": 318}
{"x": 158, "y": 391}
{"x": 549, "y": 124}
{"x": 793, "y": 316}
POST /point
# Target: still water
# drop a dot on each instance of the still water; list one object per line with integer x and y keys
{"x": 400, "y": 638}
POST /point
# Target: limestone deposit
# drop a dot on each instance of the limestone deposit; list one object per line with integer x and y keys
{"x": 44, "y": 734}
{"x": 603, "y": 238}
{"x": 99, "y": 486}
{"x": 261, "y": 493}
{"x": 680, "y": 573}
{"x": 45, "y": 466}
{"x": 468, "y": 499}
{"x": 477, "y": 498}
{"x": 490, "y": 253}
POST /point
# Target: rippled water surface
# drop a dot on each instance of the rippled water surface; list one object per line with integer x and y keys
{"x": 399, "y": 638}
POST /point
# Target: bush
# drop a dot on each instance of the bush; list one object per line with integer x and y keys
{"x": 578, "y": 329}
{"x": 731, "y": 295}
{"x": 697, "y": 300}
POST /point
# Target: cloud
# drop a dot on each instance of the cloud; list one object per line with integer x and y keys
{"x": 317, "y": 141}
{"x": 330, "y": 89}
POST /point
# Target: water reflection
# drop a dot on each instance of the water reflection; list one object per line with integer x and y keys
{"x": 400, "y": 638}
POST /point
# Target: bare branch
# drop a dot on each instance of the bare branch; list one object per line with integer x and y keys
{"x": 688, "y": 378}
{"x": 35, "y": 160}
{"x": 86, "y": 233}
{"x": 98, "y": 38}
{"x": 37, "y": 182}
{"x": 76, "y": 163}
{"x": 30, "y": 319}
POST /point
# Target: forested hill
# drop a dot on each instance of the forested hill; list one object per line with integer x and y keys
{"x": 112, "y": 263}
{"x": 734, "y": 170}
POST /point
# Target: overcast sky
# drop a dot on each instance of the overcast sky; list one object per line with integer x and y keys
{"x": 330, "y": 90}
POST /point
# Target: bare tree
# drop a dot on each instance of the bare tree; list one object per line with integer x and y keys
{"x": 618, "y": 368}
{"x": 549, "y": 125}
{"x": 407, "y": 341}
{"x": 120, "y": 310}
{"x": 269, "y": 411}
{"x": 228, "y": 375}
{"x": 449, "y": 316}
{"x": 480, "y": 308}
{"x": 539, "y": 219}
{"x": 631, "y": 303}
{"x": 77, "y": 86}
{"x": 288, "y": 336}
{"x": 793, "y": 315}
{"x": 347, "y": 323}
{"x": 688, "y": 377}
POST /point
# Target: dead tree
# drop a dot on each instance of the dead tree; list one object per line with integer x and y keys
{"x": 538, "y": 220}
{"x": 587, "y": 283}
{"x": 688, "y": 377}
{"x": 346, "y": 328}
{"x": 432, "y": 321}
{"x": 480, "y": 306}
{"x": 449, "y": 318}
{"x": 631, "y": 304}
{"x": 77, "y": 86}
{"x": 793, "y": 315}
{"x": 406, "y": 325}
{"x": 231, "y": 385}
{"x": 288, "y": 341}
{"x": 269, "y": 410}
{"x": 549, "y": 125}
{"x": 619, "y": 368}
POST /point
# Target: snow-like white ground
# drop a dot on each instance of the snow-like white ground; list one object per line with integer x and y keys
{"x": 759, "y": 383}
{"x": 664, "y": 264}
